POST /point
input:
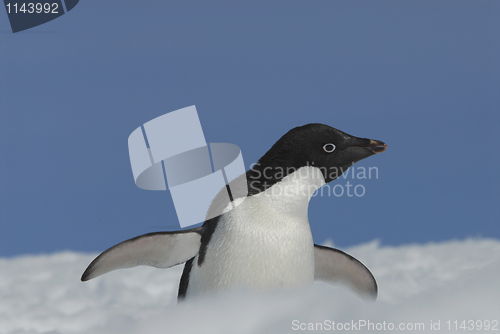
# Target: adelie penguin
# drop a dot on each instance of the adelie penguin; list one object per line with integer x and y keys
{"x": 265, "y": 241}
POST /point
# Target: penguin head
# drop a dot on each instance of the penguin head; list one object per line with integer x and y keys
{"x": 331, "y": 150}
{"x": 319, "y": 145}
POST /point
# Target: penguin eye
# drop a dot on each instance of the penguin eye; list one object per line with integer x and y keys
{"x": 329, "y": 148}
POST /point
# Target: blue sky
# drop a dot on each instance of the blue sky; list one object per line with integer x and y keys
{"x": 421, "y": 76}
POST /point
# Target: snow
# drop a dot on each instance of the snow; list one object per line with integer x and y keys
{"x": 454, "y": 280}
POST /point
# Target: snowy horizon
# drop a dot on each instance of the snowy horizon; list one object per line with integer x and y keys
{"x": 419, "y": 285}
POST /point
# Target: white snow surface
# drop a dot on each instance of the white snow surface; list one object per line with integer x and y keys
{"x": 454, "y": 280}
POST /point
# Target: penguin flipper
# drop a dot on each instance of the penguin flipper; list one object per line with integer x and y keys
{"x": 334, "y": 266}
{"x": 158, "y": 249}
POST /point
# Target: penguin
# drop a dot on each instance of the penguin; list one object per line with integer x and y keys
{"x": 265, "y": 240}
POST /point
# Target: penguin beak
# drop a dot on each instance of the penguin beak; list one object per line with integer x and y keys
{"x": 376, "y": 146}
{"x": 362, "y": 148}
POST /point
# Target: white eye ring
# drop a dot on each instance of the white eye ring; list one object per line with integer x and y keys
{"x": 329, "y": 148}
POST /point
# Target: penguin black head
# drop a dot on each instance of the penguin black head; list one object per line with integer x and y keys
{"x": 318, "y": 145}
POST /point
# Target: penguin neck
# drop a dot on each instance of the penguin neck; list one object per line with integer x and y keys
{"x": 291, "y": 194}
{"x": 266, "y": 173}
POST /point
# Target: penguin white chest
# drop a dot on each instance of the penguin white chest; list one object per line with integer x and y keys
{"x": 264, "y": 242}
